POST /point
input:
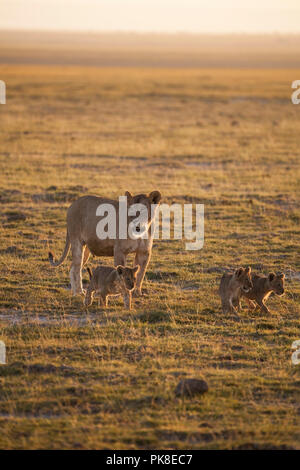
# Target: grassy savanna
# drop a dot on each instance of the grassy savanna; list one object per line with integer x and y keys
{"x": 225, "y": 138}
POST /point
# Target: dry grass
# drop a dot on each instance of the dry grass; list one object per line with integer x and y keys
{"x": 228, "y": 139}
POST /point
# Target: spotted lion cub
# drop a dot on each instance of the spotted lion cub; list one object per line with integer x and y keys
{"x": 109, "y": 281}
{"x": 231, "y": 287}
{"x": 263, "y": 286}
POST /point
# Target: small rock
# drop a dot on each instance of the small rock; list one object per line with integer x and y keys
{"x": 13, "y": 216}
{"x": 12, "y": 250}
{"x": 42, "y": 368}
{"x": 214, "y": 269}
{"x": 190, "y": 387}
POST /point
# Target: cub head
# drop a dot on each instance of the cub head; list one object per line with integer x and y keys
{"x": 243, "y": 276}
{"x": 141, "y": 206}
{"x": 276, "y": 282}
{"x": 128, "y": 275}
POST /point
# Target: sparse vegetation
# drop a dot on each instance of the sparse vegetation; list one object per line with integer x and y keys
{"x": 225, "y": 138}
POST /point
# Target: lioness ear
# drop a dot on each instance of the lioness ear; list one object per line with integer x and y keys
{"x": 281, "y": 276}
{"x": 155, "y": 197}
{"x": 120, "y": 270}
{"x": 248, "y": 270}
{"x": 239, "y": 271}
{"x": 136, "y": 269}
{"x": 271, "y": 276}
{"x": 129, "y": 196}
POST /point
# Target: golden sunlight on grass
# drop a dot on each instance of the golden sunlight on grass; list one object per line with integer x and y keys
{"x": 225, "y": 138}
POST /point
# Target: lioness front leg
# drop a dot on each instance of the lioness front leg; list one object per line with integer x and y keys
{"x": 142, "y": 258}
{"x": 86, "y": 255}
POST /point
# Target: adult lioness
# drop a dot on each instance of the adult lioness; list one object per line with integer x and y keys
{"x": 82, "y": 236}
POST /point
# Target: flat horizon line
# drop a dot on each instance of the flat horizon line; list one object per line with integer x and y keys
{"x": 149, "y": 32}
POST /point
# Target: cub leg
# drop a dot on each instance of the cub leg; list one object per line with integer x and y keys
{"x": 89, "y": 297}
{"x": 232, "y": 307}
{"x": 237, "y": 303}
{"x": 225, "y": 307}
{"x": 263, "y": 307}
{"x": 103, "y": 300}
{"x": 127, "y": 300}
{"x": 251, "y": 304}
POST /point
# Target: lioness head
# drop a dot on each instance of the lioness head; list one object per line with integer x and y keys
{"x": 128, "y": 275}
{"x": 145, "y": 203}
{"x": 276, "y": 282}
{"x": 243, "y": 276}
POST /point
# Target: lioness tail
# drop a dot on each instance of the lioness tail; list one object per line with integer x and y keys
{"x": 63, "y": 256}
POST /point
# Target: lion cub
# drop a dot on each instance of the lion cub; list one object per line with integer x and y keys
{"x": 263, "y": 286}
{"x": 107, "y": 281}
{"x": 231, "y": 287}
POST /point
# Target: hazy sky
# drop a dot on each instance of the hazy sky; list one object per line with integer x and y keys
{"x": 152, "y": 15}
